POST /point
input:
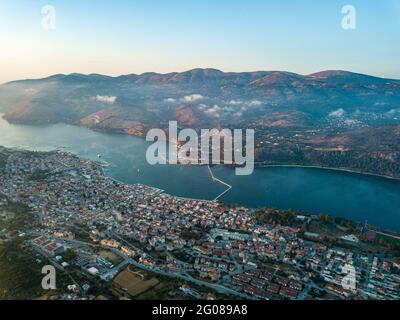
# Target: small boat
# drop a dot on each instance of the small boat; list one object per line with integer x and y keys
{"x": 99, "y": 156}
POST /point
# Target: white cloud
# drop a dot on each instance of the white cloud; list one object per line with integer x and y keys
{"x": 254, "y": 103}
{"x": 337, "y": 113}
{"x": 193, "y": 97}
{"x": 216, "y": 110}
{"x": 235, "y": 102}
{"x": 380, "y": 104}
{"x": 228, "y": 109}
{"x": 351, "y": 122}
{"x": 393, "y": 112}
{"x": 170, "y": 100}
{"x": 106, "y": 99}
{"x": 213, "y": 111}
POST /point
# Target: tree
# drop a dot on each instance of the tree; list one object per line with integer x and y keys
{"x": 304, "y": 227}
{"x": 69, "y": 255}
{"x": 325, "y": 218}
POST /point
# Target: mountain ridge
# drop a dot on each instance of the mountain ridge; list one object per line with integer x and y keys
{"x": 331, "y": 118}
{"x": 198, "y": 96}
{"x": 204, "y": 71}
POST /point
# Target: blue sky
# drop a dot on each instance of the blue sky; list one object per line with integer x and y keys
{"x": 135, "y": 36}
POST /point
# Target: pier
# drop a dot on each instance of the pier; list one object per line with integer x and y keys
{"x": 214, "y": 178}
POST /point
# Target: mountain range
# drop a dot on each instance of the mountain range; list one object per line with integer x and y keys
{"x": 334, "y": 119}
{"x": 197, "y": 97}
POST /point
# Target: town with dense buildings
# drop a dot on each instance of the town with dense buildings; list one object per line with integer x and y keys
{"x": 112, "y": 240}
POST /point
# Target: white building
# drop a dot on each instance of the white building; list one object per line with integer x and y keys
{"x": 350, "y": 238}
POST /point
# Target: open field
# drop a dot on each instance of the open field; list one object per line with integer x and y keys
{"x": 134, "y": 283}
{"x": 20, "y": 276}
{"x": 110, "y": 256}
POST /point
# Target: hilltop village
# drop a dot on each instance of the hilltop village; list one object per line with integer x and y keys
{"x": 118, "y": 241}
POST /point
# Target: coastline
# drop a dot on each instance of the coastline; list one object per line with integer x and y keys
{"x": 329, "y": 169}
{"x": 372, "y": 227}
{"x": 256, "y": 165}
{"x": 115, "y": 132}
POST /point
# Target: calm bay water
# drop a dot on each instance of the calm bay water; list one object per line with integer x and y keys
{"x": 354, "y": 196}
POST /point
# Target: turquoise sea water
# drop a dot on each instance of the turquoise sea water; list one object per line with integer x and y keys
{"x": 355, "y": 196}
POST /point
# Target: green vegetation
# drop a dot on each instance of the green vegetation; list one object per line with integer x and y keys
{"x": 20, "y": 276}
{"x": 40, "y": 175}
{"x": 345, "y": 223}
{"x": 82, "y": 235}
{"x": 69, "y": 255}
{"x": 166, "y": 289}
{"x": 305, "y": 227}
{"x": 331, "y": 228}
{"x": 325, "y": 218}
{"x": 3, "y": 160}
{"x": 22, "y": 217}
{"x": 183, "y": 256}
{"x": 110, "y": 256}
{"x": 276, "y": 217}
{"x": 388, "y": 242}
{"x": 189, "y": 235}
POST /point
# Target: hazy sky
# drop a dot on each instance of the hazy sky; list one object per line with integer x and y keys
{"x": 121, "y": 36}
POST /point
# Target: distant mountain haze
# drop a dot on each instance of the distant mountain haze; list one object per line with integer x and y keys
{"x": 333, "y": 119}
{"x": 196, "y": 97}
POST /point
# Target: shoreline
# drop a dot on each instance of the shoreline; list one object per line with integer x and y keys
{"x": 113, "y": 132}
{"x": 373, "y": 227}
{"x": 329, "y": 169}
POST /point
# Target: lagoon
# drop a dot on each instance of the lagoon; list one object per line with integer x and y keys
{"x": 350, "y": 195}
